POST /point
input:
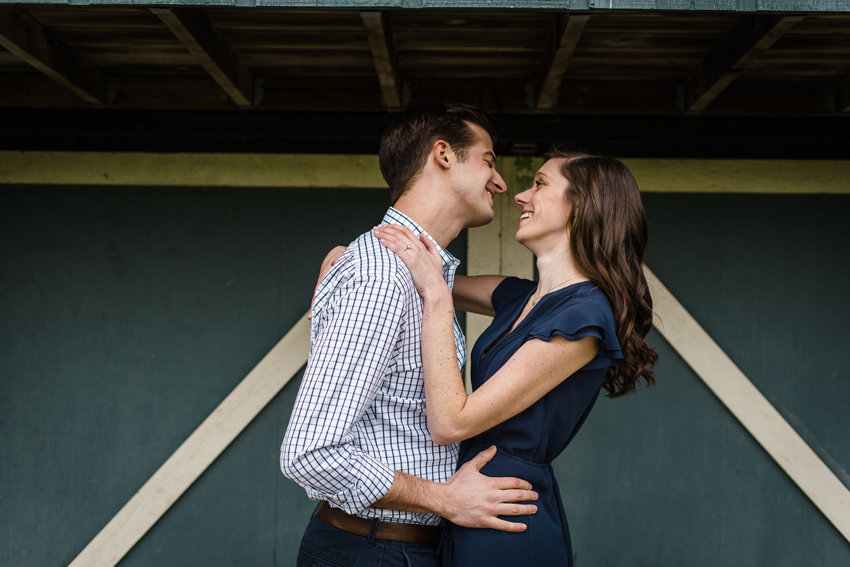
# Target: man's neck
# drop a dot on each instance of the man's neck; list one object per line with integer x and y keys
{"x": 433, "y": 219}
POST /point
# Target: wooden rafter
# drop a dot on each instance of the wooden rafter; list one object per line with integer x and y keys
{"x": 844, "y": 94}
{"x": 24, "y": 36}
{"x": 195, "y": 30}
{"x": 378, "y": 31}
{"x": 749, "y": 40}
{"x": 558, "y": 60}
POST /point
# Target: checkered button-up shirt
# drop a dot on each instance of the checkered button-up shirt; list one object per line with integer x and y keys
{"x": 360, "y": 411}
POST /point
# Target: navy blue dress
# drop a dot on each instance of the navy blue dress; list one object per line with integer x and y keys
{"x": 529, "y": 442}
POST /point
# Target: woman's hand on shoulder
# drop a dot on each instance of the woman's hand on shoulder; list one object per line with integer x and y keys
{"x": 420, "y": 255}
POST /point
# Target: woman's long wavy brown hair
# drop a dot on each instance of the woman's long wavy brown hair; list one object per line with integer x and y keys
{"x": 608, "y": 234}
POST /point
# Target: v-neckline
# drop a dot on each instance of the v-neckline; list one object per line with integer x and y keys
{"x": 514, "y": 324}
{"x": 517, "y": 322}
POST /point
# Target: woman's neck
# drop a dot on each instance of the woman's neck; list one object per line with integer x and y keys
{"x": 557, "y": 269}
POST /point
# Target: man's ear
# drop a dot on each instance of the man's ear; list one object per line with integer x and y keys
{"x": 442, "y": 153}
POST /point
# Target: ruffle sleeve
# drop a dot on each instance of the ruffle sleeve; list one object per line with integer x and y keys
{"x": 587, "y": 316}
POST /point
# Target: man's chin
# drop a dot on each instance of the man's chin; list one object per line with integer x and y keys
{"x": 481, "y": 220}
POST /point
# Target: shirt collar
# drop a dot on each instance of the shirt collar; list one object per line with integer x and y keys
{"x": 394, "y": 216}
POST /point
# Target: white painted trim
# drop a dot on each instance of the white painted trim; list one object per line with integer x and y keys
{"x": 751, "y": 408}
{"x": 148, "y": 169}
{"x": 198, "y": 452}
{"x": 493, "y": 249}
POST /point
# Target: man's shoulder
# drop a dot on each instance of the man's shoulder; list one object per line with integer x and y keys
{"x": 367, "y": 259}
{"x": 365, "y": 263}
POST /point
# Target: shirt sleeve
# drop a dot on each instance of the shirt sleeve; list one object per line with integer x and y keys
{"x": 356, "y": 332}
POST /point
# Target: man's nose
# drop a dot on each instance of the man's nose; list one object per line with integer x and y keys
{"x": 498, "y": 184}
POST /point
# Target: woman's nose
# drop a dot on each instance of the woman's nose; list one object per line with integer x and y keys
{"x": 522, "y": 198}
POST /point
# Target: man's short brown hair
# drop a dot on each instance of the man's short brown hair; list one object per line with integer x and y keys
{"x": 408, "y": 140}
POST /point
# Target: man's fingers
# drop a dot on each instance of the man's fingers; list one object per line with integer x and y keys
{"x": 505, "y": 526}
{"x": 517, "y": 496}
{"x": 508, "y": 482}
{"x": 516, "y": 509}
{"x": 482, "y": 458}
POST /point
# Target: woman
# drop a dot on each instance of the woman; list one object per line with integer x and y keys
{"x": 539, "y": 367}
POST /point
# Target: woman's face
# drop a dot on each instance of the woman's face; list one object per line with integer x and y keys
{"x": 545, "y": 209}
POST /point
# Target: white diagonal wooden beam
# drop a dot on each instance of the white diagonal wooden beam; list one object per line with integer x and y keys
{"x": 195, "y": 30}
{"x": 246, "y": 401}
{"x": 198, "y": 452}
{"x": 559, "y": 59}
{"x": 380, "y": 38}
{"x": 745, "y": 44}
{"x": 752, "y": 409}
{"x": 24, "y": 36}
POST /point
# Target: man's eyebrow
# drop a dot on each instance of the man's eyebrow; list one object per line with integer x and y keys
{"x": 491, "y": 154}
{"x": 543, "y": 175}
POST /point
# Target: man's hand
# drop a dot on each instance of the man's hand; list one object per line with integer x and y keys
{"x": 468, "y": 498}
{"x": 327, "y": 264}
{"x": 474, "y": 500}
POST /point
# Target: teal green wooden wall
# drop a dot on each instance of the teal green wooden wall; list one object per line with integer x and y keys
{"x": 126, "y": 316}
{"x": 669, "y": 477}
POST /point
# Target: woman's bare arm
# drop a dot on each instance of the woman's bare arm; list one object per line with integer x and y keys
{"x": 534, "y": 370}
{"x": 474, "y": 293}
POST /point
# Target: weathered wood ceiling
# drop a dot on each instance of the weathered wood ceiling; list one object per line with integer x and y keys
{"x": 518, "y": 61}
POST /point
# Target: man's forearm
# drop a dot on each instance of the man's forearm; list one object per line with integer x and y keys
{"x": 413, "y": 494}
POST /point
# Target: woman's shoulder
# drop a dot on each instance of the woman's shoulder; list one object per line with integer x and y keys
{"x": 583, "y": 307}
{"x": 587, "y": 298}
{"x": 581, "y": 311}
{"x": 510, "y": 291}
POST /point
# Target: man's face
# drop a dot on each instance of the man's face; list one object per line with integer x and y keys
{"x": 476, "y": 181}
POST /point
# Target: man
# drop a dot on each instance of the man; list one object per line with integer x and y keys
{"x": 358, "y": 437}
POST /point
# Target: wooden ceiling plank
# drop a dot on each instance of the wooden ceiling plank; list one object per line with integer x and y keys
{"x": 745, "y": 44}
{"x": 844, "y": 94}
{"x": 379, "y": 34}
{"x": 195, "y": 30}
{"x": 28, "y": 39}
{"x": 558, "y": 61}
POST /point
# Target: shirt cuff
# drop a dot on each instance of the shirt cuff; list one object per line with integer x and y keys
{"x": 373, "y": 483}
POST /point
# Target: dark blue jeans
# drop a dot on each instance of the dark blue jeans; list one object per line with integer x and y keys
{"x": 326, "y": 546}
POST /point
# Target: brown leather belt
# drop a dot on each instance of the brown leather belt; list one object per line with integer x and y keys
{"x": 392, "y": 531}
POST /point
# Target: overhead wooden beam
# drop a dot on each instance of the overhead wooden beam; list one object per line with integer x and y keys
{"x": 744, "y": 45}
{"x": 558, "y": 60}
{"x": 586, "y": 97}
{"x": 844, "y": 94}
{"x": 24, "y": 36}
{"x": 378, "y": 32}
{"x": 193, "y": 27}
